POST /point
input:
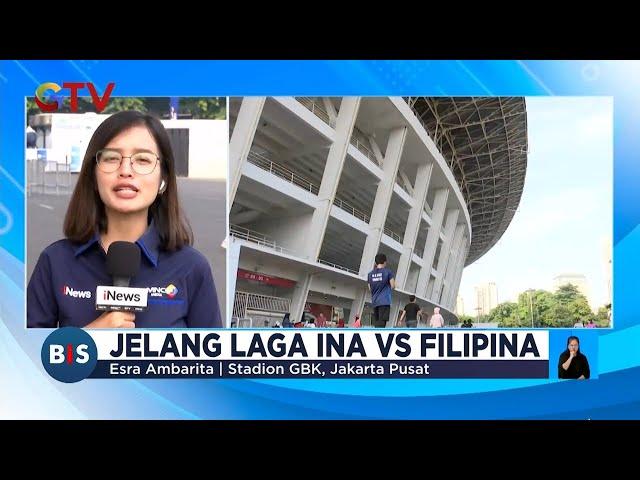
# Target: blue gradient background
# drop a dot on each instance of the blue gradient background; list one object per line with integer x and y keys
{"x": 26, "y": 391}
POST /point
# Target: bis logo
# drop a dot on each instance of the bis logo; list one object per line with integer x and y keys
{"x": 51, "y": 102}
{"x": 69, "y": 354}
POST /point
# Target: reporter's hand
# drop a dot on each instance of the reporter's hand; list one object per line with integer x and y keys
{"x": 572, "y": 353}
{"x": 114, "y": 320}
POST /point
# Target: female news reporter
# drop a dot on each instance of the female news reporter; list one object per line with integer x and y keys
{"x": 126, "y": 190}
{"x": 572, "y": 362}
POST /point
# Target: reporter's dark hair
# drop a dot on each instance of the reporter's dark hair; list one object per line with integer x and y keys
{"x": 380, "y": 258}
{"x": 86, "y": 210}
{"x": 412, "y": 298}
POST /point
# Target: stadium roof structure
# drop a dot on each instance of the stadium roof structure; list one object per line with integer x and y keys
{"x": 484, "y": 141}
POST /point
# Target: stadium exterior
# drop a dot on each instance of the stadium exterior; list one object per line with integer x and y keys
{"x": 319, "y": 186}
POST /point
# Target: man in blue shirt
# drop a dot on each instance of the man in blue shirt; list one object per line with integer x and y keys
{"x": 381, "y": 280}
{"x": 181, "y": 290}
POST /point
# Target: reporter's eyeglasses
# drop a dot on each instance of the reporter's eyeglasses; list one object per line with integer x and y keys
{"x": 143, "y": 163}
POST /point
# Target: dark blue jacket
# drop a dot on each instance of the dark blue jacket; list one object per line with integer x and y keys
{"x": 62, "y": 288}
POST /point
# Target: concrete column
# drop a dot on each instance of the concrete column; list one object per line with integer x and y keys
{"x": 431, "y": 243}
{"x": 460, "y": 269}
{"x": 242, "y": 139}
{"x": 233, "y": 261}
{"x": 393, "y": 314}
{"x": 450, "y": 225}
{"x": 453, "y": 290}
{"x": 452, "y": 263}
{"x": 331, "y": 110}
{"x": 299, "y": 298}
{"x": 457, "y": 272}
{"x": 383, "y": 198}
{"x": 428, "y": 293}
{"x": 413, "y": 223}
{"x": 358, "y": 305}
{"x": 331, "y": 176}
{"x": 376, "y": 150}
{"x": 450, "y": 277}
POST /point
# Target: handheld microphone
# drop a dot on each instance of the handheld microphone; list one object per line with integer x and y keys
{"x": 123, "y": 263}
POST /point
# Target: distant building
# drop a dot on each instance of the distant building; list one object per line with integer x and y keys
{"x": 576, "y": 279}
{"x": 486, "y": 298}
{"x": 459, "y": 306}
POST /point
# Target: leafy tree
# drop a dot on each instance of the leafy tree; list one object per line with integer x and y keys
{"x": 577, "y": 305}
{"x": 213, "y": 108}
{"x": 541, "y": 308}
{"x": 567, "y": 293}
{"x": 465, "y": 318}
{"x": 602, "y": 317}
{"x": 505, "y": 314}
{"x": 32, "y": 107}
{"x": 561, "y": 316}
{"x": 119, "y": 104}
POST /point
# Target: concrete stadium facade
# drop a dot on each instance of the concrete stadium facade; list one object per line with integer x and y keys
{"x": 318, "y": 186}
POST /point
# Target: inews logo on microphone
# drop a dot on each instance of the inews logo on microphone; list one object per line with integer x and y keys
{"x": 121, "y": 298}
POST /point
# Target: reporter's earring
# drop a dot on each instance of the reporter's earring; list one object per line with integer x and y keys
{"x": 163, "y": 185}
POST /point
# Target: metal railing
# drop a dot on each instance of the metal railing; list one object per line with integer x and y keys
{"x": 257, "y": 238}
{"x": 417, "y": 115}
{"x": 358, "y": 143}
{"x": 317, "y": 109}
{"x": 339, "y": 267}
{"x": 48, "y": 177}
{"x": 266, "y": 164}
{"x": 393, "y": 235}
{"x": 263, "y": 162}
{"x": 338, "y": 202}
{"x": 245, "y": 301}
{"x": 241, "y": 322}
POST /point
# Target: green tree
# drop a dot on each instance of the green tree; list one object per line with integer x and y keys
{"x": 602, "y": 317}
{"x": 567, "y": 293}
{"x": 576, "y": 304}
{"x": 212, "y": 108}
{"x": 32, "y": 108}
{"x": 542, "y": 303}
{"x": 120, "y": 104}
{"x": 505, "y": 314}
{"x": 465, "y": 318}
{"x": 561, "y": 316}
{"x": 526, "y": 313}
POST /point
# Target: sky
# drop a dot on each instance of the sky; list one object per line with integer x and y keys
{"x": 565, "y": 215}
